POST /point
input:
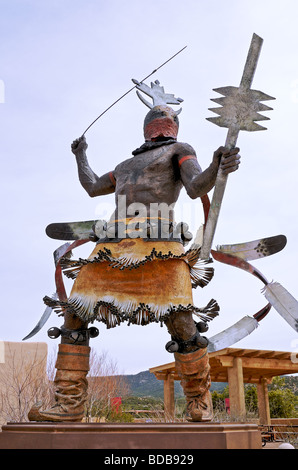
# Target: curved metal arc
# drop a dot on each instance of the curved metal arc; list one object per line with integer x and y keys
{"x": 246, "y": 325}
{"x": 60, "y": 288}
{"x": 58, "y": 272}
{"x": 238, "y": 263}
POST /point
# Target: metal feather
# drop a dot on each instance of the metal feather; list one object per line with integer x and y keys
{"x": 283, "y": 302}
{"x": 233, "y": 334}
{"x": 255, "y": 249}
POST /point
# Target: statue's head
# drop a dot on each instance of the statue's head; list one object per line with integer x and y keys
{"x": 162, "y": 121}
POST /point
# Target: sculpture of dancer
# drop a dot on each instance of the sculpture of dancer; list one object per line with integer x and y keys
{"x": 139, "y": 271}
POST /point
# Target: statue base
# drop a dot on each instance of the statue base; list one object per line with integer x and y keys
{"x": 118, "y": 436}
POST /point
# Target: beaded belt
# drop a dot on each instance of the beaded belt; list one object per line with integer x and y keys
{"x": 153, "y": 229}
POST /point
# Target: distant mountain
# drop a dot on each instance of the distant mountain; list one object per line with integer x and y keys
{"x": 145, "y": 384}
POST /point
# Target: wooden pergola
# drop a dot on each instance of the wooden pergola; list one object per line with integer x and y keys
{"x": 237, "y": 367}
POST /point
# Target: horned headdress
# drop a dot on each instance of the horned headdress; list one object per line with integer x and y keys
{"x": 162, "y": 121}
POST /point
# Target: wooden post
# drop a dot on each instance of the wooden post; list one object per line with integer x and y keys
{"x": 236, "y": 390}
{"x": 169, "y": 397}
{"x": 263, "y": 402}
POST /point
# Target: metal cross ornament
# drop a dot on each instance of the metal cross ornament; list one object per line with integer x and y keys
{"x": 239, "y": 111}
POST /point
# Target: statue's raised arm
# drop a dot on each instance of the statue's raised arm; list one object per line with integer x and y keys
{"x": 93, "y": 184}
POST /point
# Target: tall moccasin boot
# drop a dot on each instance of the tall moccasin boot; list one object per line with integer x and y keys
{"x": 71, "y": 386}
{"x": 194, "y": 368}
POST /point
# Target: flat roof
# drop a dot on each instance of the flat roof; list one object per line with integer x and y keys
{"x": 256, "y": 364}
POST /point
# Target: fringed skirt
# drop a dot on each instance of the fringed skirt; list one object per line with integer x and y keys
{"x": 136, "y": 281}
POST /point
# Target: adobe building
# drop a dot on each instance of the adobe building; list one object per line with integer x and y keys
{"x": 22, "y": 366}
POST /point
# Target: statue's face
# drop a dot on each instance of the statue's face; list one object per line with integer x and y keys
{"x": 161, "y": 122}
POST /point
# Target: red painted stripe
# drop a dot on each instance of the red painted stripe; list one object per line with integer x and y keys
{"x": 206, "y": 206}
{"x": 187, "y": 157}
{"x": 60, "y": 288}
{"x": 113, "y": 181}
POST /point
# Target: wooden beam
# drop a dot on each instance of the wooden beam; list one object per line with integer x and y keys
{"x": 161, "y": 375}
{"x": 255, "y": 380}
{"x": 164, "y": 367}
{"x": 261, "y": 364}
{"x": 270, "y": 364}
{"x": 236, "y": 390}
{"x": 220, "y": 377}
{"x": 169, "y": 398}
{"x": 263, "y": 402}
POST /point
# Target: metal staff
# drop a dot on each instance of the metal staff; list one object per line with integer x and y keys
{"x": 239, "y": 111}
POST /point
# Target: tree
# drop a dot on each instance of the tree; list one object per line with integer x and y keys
{"x": 104, "y": 384}
{"x": 282, "y": 401}
{"x": 218, "y": 401}
{"x": 251, "y": 398}
{"x": 23, "y": 381}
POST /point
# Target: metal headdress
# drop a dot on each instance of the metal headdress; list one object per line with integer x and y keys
{"x": 158, "y": 95}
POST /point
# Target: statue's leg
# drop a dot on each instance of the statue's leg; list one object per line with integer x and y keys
{"x": 70, "y": 380}
{"x": 192, "y": 364}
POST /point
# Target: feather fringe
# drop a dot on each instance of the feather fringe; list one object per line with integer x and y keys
{"x": 200, "y": 274}
{"x": 112, "y": 312}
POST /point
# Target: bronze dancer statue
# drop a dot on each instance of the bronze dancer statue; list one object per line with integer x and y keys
{"x": 139, "y": 271}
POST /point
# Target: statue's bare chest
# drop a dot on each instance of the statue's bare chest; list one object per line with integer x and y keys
{"x": 147, "y": 166}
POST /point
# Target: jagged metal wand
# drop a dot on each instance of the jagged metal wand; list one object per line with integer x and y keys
{"x": 239, "y": 111}
{"x": 126, "y": 93}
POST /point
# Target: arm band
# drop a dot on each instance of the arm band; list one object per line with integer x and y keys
{"x": 187, "y": 157}
{"x": 113, "y": 181}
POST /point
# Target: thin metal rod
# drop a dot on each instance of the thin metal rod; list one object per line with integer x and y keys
{"x": 115, "y": 102}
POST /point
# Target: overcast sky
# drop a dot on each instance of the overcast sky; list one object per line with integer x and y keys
{"x": 61, "y": 64}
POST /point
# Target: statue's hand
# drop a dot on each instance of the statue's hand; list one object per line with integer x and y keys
{"x": 229, "y": 160}
{"x": 79, "y": 145}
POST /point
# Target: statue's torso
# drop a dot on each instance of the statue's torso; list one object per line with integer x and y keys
{"x": 150, "y": 177}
